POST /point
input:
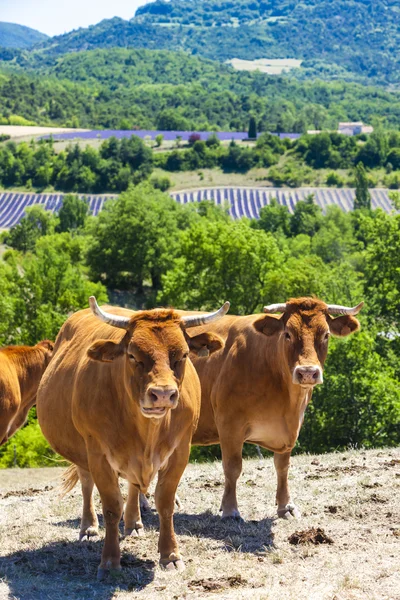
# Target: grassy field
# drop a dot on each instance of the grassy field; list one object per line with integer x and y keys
{"x": 272, "y": 66}
{"x": 354, "y": 497}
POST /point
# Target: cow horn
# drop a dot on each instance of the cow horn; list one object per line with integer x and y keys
{"x": 337, "y": 309}
{"x": 193, "y": 321}
{"x": 114, "y": 320}
{"x": 273, "y": 308}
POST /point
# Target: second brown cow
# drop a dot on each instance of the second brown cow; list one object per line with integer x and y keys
{"x": 257, "y": 388}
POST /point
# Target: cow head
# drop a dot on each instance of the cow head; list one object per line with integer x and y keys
{"x": 47, "y": 347}
{"x": 155, "y": 349}
{"x": 303, "y": 330}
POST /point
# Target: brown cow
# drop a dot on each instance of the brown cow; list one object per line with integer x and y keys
{"x": 21, "y": 369}
{"x": 125, "y": 405}
{"x": 257, "y": 388}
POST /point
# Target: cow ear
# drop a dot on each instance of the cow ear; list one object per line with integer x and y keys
{"x": 343, "y": 326}
{"x": 269, "y": 325}
{"x": 106, "y": 350}
{"x": 47, "y": 345}
{"x": 205, "y": 344}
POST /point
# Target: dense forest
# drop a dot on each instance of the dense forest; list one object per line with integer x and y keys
{"x": 146, "y": 250}
{"x": 339, "y": 38}
{"x": 143, "y": 89}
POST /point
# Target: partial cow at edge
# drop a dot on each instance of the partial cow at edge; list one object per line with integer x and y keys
{"x": 257, "y": 388}
{"x": 21, "y": 369}
{"x": 125, "y": 403}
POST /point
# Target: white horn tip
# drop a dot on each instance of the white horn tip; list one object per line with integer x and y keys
{"x": 93, "y": 302}
{"x": 359, "y": 307}
{"x": 225, "y": 308}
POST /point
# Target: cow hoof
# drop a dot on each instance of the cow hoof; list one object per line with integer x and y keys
{"x": 86, "y": 534}
{"x": 289, "y": 511}
{"x": 104, "y": 574}
{"x": 134, "y": 531}
{"x": 173, "y": 565}
{"x": 231, "y": 514}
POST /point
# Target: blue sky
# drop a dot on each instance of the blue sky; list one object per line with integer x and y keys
{"x": 59, "y": 16}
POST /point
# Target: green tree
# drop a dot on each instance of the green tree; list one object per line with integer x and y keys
{"x": 252, "y": 133}
{"x": 307, "y": 217}
{"x": 134, "y": 238}
{"x": 72, "y": 215}
{"x": 274, "y": 218}
{"x": 220, "y": 260}
{"x": 363, "y": 196}
{"x": 36, "y": 223}
{"x": 159, "y": 140}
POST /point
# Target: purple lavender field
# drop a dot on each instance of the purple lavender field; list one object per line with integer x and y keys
{"x": 169, "y": 136}
{"x": 242, "y": 202}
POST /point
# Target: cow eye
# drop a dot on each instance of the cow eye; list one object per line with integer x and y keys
{"x": 327, "y": 336}
{"x": 288, "y": 337}
{"x": 133, "y": 359}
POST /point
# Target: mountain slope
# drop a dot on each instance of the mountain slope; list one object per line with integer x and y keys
{"x": 127, "y": 89}
{"x": 360, "y": 36}
{"x": 19, "y": 36}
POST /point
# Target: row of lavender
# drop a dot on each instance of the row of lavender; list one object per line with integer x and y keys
{"x": 243, "y": 202}
{"x": 169, "y": 136}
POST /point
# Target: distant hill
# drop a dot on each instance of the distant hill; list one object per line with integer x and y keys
{"x": 337, "y": 39}
{"x": 19, "y": 36}
{"x": 136, "y": 88}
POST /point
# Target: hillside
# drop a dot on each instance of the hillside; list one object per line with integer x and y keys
{"x": 19, "y": 36}
{"x": 356, "y": 39}
{"x": 128, "y": 89}
{"x": 351, "y": 496}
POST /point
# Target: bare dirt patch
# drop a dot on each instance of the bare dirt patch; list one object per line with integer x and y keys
{"x": 41, "y": 557}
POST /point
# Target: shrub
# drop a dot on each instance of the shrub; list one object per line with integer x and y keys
{"x": 334, "y": 179}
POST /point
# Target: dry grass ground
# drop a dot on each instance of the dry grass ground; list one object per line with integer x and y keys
{"x": 354, "y": 497}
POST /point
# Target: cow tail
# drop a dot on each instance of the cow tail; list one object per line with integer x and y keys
{"x": 70, "y": 478}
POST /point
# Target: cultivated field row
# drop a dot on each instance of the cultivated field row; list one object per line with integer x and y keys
{"x": 243, "y": 202}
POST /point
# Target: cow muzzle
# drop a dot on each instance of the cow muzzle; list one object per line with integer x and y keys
{"x": 158, "y": 400}
{"x": 309, "y": 375}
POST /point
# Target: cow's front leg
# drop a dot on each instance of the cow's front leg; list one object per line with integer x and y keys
{"x": 106, "y": 481}
{"x": 89, "y": 521}
{"x": 132, "y": 516}
{"x": 231, "y": 448}
{"x": 286, "y": 508}
{"x": 168, "y": 480}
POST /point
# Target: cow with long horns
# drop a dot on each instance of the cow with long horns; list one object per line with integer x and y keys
{"x": 125, "y": 404}
{"x": 257, "y": 388}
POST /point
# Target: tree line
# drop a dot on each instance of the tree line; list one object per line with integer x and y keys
{"x": 117, "y": 164}
{"x": 145, "y": 250}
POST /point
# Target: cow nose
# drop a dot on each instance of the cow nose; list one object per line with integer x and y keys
{"x": 163, "y": 395}
{"x": 307, "y": 375}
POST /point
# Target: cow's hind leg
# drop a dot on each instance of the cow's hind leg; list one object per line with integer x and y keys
{"x": 132, "y": 516}
{"x": 286, "y": 508}
{"x": 106, "y": 481}
{"x": 231, "y": 448}
{"x": 168, "y": 480}
{"x": 89, "y": 522}
{"x": 7, "y": 415}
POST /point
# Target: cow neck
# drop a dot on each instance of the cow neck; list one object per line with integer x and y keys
{"x": 151, "y": 431}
